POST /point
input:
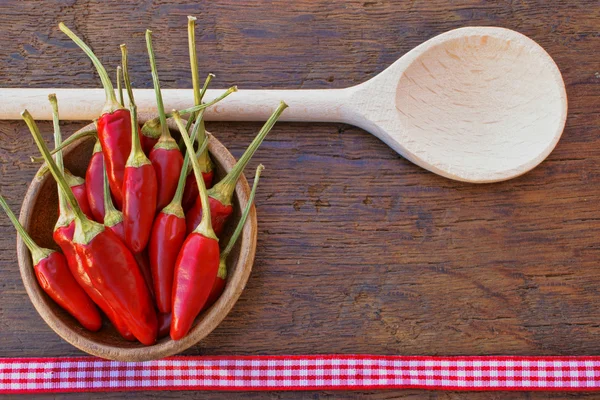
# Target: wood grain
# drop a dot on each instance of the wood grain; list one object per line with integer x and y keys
{"x": 359, "y": 251}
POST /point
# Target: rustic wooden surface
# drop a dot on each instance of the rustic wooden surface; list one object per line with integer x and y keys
{"x": 359, "y": 251}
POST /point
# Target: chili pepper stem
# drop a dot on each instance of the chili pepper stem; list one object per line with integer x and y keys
{"x": 111, "y": 104}
{"x": 193, "y": 116}
{"x": 205, "y": 227}
{"x": 112, "y": 216}
{"x": 223, "y": 190}
{"x": 85, "y": 229}
{"x": 126, "y": 74}
{"x": 70, "y": 140}
{"x": 37, "y": 253}
{"x": 175, "y": 206}
{"x": 119, "y": 87}
{"x": 166, "y": 141}
{"x": 240, "y": 226}
{"x": 137, "y": 158}
{"x": 152, "y": 127}
{"x": 65, "y": 216}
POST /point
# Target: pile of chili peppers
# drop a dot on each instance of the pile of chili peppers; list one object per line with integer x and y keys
{"x": 140, "y": 234}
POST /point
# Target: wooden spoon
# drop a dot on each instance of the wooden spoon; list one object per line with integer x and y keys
{"x": 477, "y": 104}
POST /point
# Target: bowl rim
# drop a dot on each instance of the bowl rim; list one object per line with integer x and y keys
{"x": 209, "y": 320}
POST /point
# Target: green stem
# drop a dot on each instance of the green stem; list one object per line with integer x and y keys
{"x": 151, "y": 125}
{"x": 137, "y": 157}
{"x": 165, "y": 134}
{"x": 37, "y": 252}
{"x": 245, "y": 213}
{"x": 35, "y": 132}
{"x": 193, "y": 116}
{"x": 111, "y": 104}
{"x": 70, "y": 140}
{"x": 223, "y": 190}
{"x": 85, "y": 229}
{"x": 193, "y": 58}
{"x": 205, "y": 226}
{"x": 112, "y": 216}
{"x": 126, "y": 74}
{"x": 119, "y": 87}
{"x": 183, "y": 175}
{"x": 62, "y": 202}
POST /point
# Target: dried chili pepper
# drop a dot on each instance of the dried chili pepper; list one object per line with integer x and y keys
{"x": 168, "y": 234}
{"x": 114, "y": 125}
{"x": 219, "y": 284}
{"x": 95, "y": 183}
{"x": 113, "y": 218}
{"x": 56, "y": 280}
{"x": 165, "y": 156}
{"x": 198, "y": 261}
{"x": 109, "y": 264}
{"x": 139, "y": 193}
{"x": 221, "y": 194}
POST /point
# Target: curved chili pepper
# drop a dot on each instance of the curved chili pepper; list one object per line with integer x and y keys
{"x": 63, "y": 236}
{"x": 113, "y": 219}
{"x": 168, "y": 234}
{"x": 198, "y": 261}
{"x": 165, "y": 156}
{"x": 114, "y": 125}
{"x": 109, "y": 264}
{"x": 220, "y": 195}
{"x": 219, "y": 284}
{"x": 139, "y": 193}
{"x": 95, "y": 183}
{"x": 56, "y": 280}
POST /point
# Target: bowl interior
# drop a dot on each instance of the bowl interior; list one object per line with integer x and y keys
{"x": 39, "y": 214}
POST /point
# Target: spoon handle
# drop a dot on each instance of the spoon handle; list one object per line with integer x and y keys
{"x": 326, "y": 105}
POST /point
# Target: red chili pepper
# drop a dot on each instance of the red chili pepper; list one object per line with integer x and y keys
{"x": 113, "y": 219}
{"x": 114, "y": 125}
{"x": 63, "y": 236}
{"x": 95, "y": 183}
{"x": 109, "y": 264}
{"x": 220, "y": 195}
{"x": 164, "y": 324}
{"x": 165, "y": 156}
{"x": 168, "y": 234}
{"x": 198, "y": 261}
{"x": 144, "y": 263}
{"x": 56, "y": 280}
{"x": 219, "y": 284}
{"x": 79, "y": 189}
{"x": 139, "y": 194}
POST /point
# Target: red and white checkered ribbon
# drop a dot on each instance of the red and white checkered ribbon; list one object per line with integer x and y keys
{"x": 337, "y": 372}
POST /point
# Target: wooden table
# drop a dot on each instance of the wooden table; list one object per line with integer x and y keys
{"x": 359, "y": 250}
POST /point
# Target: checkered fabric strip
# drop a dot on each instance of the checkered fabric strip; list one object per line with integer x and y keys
{"x": 330, "y": 372}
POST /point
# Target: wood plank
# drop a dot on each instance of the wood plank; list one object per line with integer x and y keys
{"x": 359, "y": 251}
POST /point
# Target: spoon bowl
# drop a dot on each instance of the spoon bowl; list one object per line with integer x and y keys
{"x": 473, "y": 104}
{"x": 476, "y": 104}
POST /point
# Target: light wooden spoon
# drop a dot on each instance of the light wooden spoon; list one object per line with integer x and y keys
{"x": 477, "y": 104}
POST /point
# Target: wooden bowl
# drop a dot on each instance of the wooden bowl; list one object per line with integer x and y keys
{"x": 38, "y": 216}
